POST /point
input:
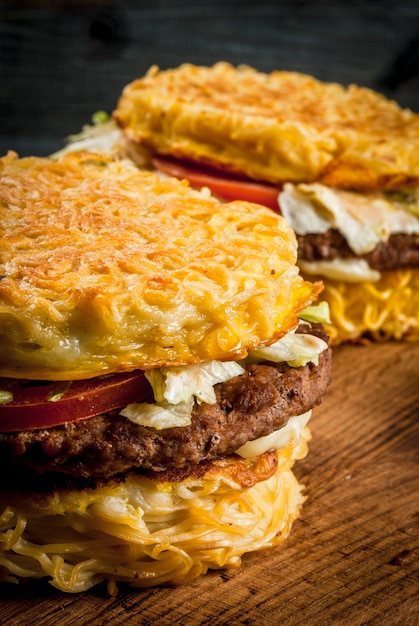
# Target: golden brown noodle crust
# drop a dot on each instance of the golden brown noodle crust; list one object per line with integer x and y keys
{"x": 108, "y": 268}
{"x": 244, "y": 472}
{"x": 282, "y": 126}
{"x": 384, "y": 310}
{"x": 150, "y": 532}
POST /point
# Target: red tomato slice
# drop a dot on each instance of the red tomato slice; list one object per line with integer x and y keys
{"x": 223, "y": 187}
{"x": 36, "y": 404}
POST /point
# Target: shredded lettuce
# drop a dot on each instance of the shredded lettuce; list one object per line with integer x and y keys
{"x": 364, "y": 219}
{"x": 58, "y": 391}
{"x": 288, "y": 435}
{"x": 316, "y": 313}
{"x": 407, "y": 199}
{"x": 160, "y": 415}
{"x": 5, "y": 397}
{"x": 179, "y": 384}
{"x": 102, "y": 136}
{"x": 295, "y": 349}
{"x": 100, "y": 117}
{"x": 175, "y": 391}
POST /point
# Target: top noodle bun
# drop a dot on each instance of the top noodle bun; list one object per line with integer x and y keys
{"x": 273, "y": 127}
{"x": 106, "y": 268}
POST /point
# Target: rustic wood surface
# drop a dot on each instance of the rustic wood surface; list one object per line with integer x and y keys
{"x": 352, "y": 557}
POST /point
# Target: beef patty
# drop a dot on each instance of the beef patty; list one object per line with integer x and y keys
{"x": 400, "y": 251}
{"x": 249, "y": 406}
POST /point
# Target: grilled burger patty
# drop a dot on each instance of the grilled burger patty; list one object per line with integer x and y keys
{"x": 400, "y": 251}
{"x": 249, "y": 406}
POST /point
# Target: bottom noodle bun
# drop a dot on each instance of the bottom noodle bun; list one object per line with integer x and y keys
{"x": 381, "y": 310}
{"x": 151, "y": 530}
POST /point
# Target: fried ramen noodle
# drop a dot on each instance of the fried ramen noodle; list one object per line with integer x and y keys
{"x": 148, "y": 532}
{"x": 115, "y": 286}
{"x": 383, "y": 310}
{"x": 274, "y": 127}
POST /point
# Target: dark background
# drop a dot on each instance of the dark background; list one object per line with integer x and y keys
{"x": 60, "y": 61}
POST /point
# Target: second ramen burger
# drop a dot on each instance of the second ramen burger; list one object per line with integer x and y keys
{"x": 340, "y": 163}
{"x": 161, "y": 356}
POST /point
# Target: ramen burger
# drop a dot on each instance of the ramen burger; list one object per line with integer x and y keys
{"x": 340, "y": 163}
{"x": 160, "y": 358}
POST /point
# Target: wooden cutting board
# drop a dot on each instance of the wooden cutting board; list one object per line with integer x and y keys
{"x": 353, "y": 555}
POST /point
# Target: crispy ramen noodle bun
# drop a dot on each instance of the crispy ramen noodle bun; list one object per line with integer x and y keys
{"x": 288, "y": 129}
{"x": 381, "y": 310}
{"x": 149, "y": 532}
{"x": 276, "y": 127}
{"x": 106, "y": 268}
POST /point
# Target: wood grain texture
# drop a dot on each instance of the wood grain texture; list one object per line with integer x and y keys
{"x": 353, "y": 555}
